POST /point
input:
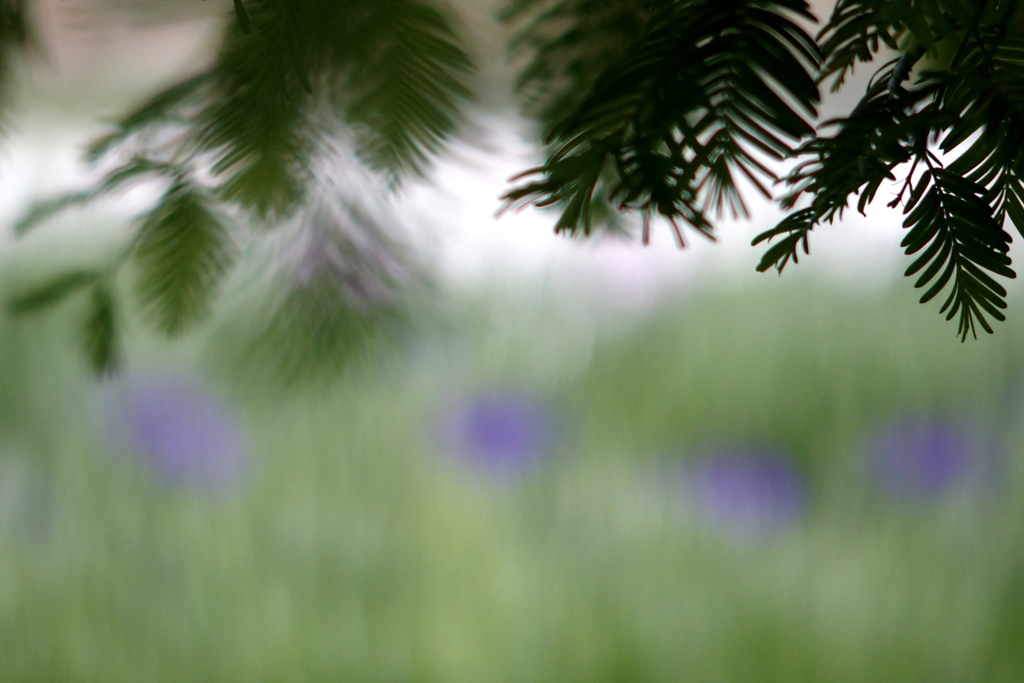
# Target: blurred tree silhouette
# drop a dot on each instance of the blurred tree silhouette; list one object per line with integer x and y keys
{"x": 664, "y": 108}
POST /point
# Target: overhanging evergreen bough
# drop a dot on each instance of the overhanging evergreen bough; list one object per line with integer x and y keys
{"x": 656, "y": 107}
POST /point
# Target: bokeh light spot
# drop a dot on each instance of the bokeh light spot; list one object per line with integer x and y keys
{"x": 187, "y": 435}
{"x": 923, "y": 457}
{"x": 499, "y": 432}
{"x": 747, "y": 489}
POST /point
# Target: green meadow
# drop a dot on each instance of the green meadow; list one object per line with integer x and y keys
{"x": 354, "y": 549}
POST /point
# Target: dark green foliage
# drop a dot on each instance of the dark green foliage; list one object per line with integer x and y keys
{"x": 53, "y": 292}
{"x": 951, "y": 223}
{"x": 857, "y": 30}
{"x": 664, "y": 123}
{"x": 100, "y": 341}
{"x": 665, "y": 109}
{"x": 253, "y": 120}
{"x": 13, "y": 35}
{"x": 568, "y": 44}
{"x": 405, "y": 84}
{"x": 153, "y": 114}
{"x": 244, "y": 22}
{"x": 394, "y": 70}
{"x": 970, "y": 106}
{"x": 45, "y": 209}
{"x": 135, "y": 169}
{"x": 340, "y": 284}
{"x": 710, "y": 88}
{"x": 183, "y": 250}
{"x": 245, "y": 136}
{"x": 308, "y": 334}
{"x": 856, "y": 160}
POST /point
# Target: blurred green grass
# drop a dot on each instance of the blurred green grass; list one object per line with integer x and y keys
{"x": 353, "y": 552}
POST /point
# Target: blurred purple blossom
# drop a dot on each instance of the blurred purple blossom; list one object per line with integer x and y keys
{"x": 188, "y": 436}
{"x": 748, "y": 489}
{"x": 924, "y": 457}
{"x": 502, "y": 433}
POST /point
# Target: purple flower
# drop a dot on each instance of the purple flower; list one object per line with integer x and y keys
{"x": 499, "y": 432}
{"x": 188, "y": 436}
{"x": 923, "y": 457}
{"x": 751, "y": 490}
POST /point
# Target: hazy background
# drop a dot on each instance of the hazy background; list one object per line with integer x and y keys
{"x": 581, "y": 462}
